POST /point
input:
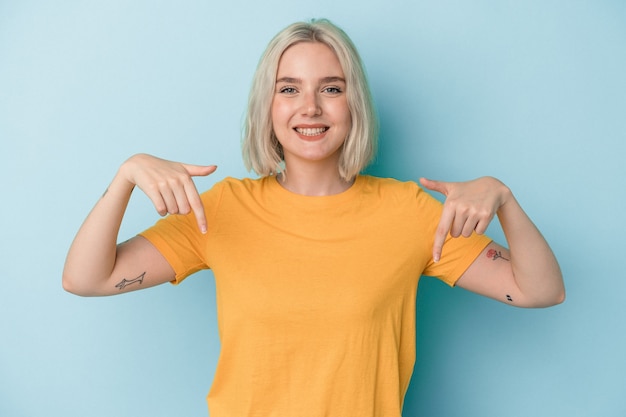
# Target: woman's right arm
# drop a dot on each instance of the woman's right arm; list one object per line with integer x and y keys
{"x": 96, "y": 264}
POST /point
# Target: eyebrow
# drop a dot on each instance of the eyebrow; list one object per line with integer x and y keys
{"x": 291, "y": 80}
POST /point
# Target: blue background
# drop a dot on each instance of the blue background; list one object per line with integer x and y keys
{"x": 532, "y": 92}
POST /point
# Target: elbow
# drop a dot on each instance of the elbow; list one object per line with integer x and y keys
{"x": 550, "y": 294}
{"x": 69, "y": 285}
{"x": 559, "y": 299}
{"x": 73, "y": 286}
{"x": 552, "y": 301}
{"x": 559, "y": 294}
{"x": 549, "y": 300}
{"x": 68, "y": 280}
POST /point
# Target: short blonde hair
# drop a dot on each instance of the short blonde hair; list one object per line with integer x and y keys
{"x": 261, "y": 150}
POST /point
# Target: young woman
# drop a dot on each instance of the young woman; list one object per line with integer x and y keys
{"x": 316, "y": 265}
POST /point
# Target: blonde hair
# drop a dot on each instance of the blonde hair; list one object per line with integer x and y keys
{"x": 261, "y": 150}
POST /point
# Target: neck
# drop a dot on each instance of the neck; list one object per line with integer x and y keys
{"x": 314, "y": 182}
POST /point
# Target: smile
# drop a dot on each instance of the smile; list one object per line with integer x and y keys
{"x": 311, "y": 131}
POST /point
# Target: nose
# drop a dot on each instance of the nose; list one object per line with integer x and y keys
{"x": 311, "y": 105}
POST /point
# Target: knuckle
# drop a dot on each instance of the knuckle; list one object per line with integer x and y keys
{"x": 485, "y": 213}
{"x": 152, "y": 187}
{"x": 171, "y": 182}
{"x": 466, "y": 210}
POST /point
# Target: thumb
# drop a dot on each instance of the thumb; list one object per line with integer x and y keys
{"x": 433, "y": 185}
{"x": 199, "y": 170}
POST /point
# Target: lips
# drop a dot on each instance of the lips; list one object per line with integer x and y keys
{"x": 311, "y": 131}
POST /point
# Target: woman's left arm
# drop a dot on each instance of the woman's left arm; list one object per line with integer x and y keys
{"x": 525, "y": 275}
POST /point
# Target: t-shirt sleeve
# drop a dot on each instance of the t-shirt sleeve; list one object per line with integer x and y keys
{"x": 179, "y": 240}
{"x": 458, "y": 253}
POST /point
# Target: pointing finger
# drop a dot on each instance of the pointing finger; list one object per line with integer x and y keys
{"x": 443, "y": 228}
{"x": 193, "y": 197}
{"x": 197, "y": 207}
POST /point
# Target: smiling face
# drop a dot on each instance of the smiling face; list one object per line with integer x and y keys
{"x": 310, "y": 113}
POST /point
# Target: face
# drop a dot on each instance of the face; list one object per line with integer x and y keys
{"x": 310, "y": 114}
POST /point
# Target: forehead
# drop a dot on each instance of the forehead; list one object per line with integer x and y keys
{"x": 309, "y": 58}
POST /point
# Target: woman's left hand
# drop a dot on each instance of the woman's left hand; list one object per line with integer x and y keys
{"x": 469, "y": 207}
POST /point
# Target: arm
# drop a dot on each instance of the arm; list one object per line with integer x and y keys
{"x": 96, "y": 264}
{"x": 527, "y": 274}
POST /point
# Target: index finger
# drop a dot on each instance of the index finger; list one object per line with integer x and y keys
{"x": 195, "y": 202}
{"x": 443, "y": 228}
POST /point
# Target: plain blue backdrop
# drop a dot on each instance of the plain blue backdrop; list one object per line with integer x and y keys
{"x": 532, "y": 92}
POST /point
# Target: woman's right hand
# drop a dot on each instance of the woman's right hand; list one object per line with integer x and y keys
{"x": 168, "y": 184}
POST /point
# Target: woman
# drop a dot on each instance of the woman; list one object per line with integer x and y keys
{"x": 316, "y": 266}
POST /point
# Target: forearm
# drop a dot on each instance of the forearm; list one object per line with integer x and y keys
{"x": 534, "y": 266}
{"x": 91, "y": 258}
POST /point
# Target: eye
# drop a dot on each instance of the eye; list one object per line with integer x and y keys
{"x": 332, "y": 90}
{"x": 287, "y": 90}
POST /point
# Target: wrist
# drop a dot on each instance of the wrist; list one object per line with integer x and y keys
{"x": 503, "y": 193}
{"x": 126, "y": 171}
{"x": 507, "y": 201}
{"x": 122, "y": 182}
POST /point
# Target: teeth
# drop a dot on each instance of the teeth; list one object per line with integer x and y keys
{"x": 311, "y": 131}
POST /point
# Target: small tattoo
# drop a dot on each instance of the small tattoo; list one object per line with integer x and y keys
{"x": 126, "y": 282}
{"x": 508, "y": 297}
{"x": 495, "y": 254}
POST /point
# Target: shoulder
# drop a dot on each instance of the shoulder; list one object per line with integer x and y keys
{"x": 394, "y": 195}
{"x": 237, "y": 185}
{"x": 235, "y": 189}
{"x": 392, "y": 188}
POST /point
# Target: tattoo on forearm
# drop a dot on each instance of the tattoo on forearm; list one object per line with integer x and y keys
{"x": 495, "y": 254}
{"x": 508, "y": 297}
{"x": 126, "y": 282}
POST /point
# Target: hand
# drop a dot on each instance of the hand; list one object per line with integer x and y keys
{"x": 469, "y": 207}
{"x": 168, "y": 184}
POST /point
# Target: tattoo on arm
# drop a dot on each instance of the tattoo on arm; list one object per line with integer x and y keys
{"x": 495, "y": 254}
{"x": 126, "y": 282}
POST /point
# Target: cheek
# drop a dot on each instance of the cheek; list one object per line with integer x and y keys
{"x": 342, "y": 111}
{"x": 279, "y": 115}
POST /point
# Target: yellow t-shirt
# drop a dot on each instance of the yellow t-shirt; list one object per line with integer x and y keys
{"x": 315, "y": 295}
